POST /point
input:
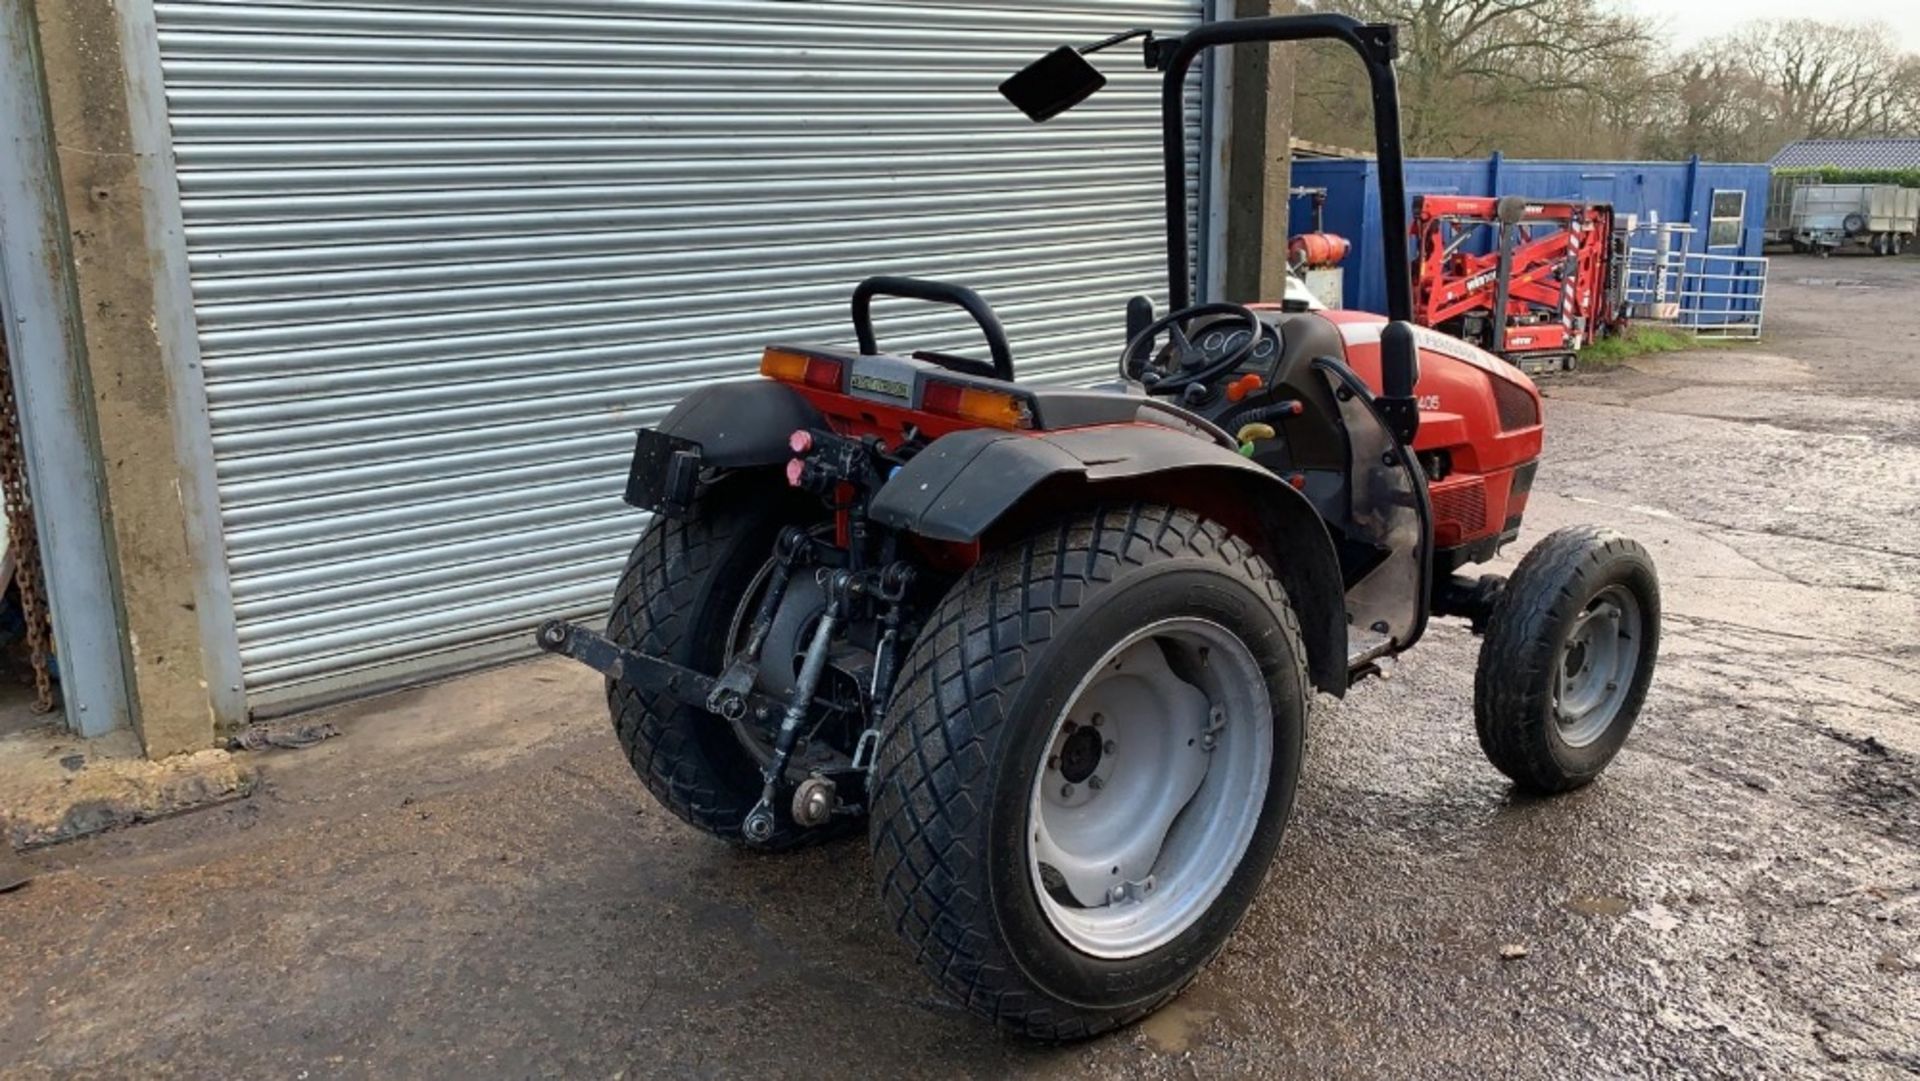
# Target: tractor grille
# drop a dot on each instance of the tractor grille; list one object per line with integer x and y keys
{"x": 1517, "y": 406}
{"x": 1459, "y": 512}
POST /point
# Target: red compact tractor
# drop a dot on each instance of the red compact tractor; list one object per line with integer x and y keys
{"x": 1052, "y": 650}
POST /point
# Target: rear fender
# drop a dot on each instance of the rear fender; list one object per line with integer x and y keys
{"x": 743, "y": 424}
{"x": 724, "y": 426}
{"x": 988, "y": 484}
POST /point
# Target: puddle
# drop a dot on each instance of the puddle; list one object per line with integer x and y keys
{"x": 1838, "y": 283}
{"x": 1601, "y": 905}
{"x": 1171, "y": 1028}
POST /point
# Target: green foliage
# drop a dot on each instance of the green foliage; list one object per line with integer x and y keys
{"x": 1640, "y": 341}
{"x": 1829, "y": 174}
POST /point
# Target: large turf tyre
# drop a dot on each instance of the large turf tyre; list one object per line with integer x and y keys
{"x": 963, "y": 766}
{"x": 678, "y": 599}
{"x": 1568, "y": 654}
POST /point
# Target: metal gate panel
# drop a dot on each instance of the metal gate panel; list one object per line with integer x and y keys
{"x": 447, "y": 254}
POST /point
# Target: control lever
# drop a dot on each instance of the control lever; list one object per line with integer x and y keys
{"x": 1139, "y": 316}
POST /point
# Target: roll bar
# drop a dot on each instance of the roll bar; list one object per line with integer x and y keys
{"x": 1377, "y": 45}
{"x": 1063, "y": 78}
{"x": 931, "y": 292}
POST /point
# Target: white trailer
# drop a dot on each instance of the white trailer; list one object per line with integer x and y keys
{"x": 1880, "y": 218}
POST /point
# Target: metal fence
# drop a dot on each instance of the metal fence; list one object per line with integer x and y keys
{"x": 1712, "y": 295}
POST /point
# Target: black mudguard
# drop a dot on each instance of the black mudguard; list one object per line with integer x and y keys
{"x": 742, "y": 424}
{"x": 723, "y": 426}
{"x": 962, "y": 484}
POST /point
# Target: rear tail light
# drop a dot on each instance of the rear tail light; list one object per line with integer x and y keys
{"x": 1516, "y": 403}
{"x": 805, "y": 369}
{"x": 993, "y": 408}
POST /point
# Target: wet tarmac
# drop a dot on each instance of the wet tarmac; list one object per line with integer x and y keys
{"x": 472, "y": 884}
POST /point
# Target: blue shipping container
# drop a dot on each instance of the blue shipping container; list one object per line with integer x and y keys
{"x": 1673, "y": 191}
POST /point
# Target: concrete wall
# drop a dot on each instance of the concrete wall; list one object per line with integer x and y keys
{"x": 56, "y": 418}
{"x": 1259, "y": 124}
{"x": 142, "y": 388}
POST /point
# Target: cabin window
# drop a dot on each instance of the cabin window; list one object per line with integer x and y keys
{"x": 1729, "y": 214}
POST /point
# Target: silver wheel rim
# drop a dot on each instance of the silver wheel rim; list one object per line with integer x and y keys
{"x": 1596, "y": 666}
{"x": 1151, "y": 788}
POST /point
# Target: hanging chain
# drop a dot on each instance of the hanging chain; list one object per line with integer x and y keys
{"x": 23, "y": 536}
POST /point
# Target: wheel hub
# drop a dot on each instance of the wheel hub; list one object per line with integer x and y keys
{"x": 829, "y": 740}
{"x": 1136, "y": 823}
{"x": 1597, "y": 666}
{"x": 1080, "y": 754}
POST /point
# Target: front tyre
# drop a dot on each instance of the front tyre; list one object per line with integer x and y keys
{"x": 1087, "y": 766}
{"x": 1568, "y": 655}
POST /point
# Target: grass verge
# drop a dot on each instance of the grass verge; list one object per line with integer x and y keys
{"x": 1641, "y": 341}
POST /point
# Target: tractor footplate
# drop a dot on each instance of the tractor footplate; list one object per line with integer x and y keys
{"x": 650, "y": 675}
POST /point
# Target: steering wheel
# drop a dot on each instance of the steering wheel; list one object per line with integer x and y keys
{"x": 1185, "y": 364}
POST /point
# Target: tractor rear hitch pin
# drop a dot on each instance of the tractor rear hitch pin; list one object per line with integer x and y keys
{"x": 759, "y": 824}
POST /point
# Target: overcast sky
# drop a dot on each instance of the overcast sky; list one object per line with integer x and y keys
{"x": 1691, "y": 20}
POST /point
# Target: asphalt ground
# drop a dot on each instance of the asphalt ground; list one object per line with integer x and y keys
{"x": 471, "y": 883}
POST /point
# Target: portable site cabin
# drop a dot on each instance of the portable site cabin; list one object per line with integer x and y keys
{"x": 1724, "y": 204}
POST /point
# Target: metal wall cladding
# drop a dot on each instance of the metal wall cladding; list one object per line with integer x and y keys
{"x": 447, "y": 255}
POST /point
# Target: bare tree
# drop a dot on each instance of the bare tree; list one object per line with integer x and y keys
{"x": 1481, "y": 74}
{"x": 1577, "y": 78}
{"x": 1749, "y": 92}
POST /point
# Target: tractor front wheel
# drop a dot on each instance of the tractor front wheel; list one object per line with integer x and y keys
{"x": 1087, "y": 766}
{"x": 1567, "y": 658}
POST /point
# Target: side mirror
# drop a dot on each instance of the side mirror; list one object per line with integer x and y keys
{"x": 1053, "y": 84}
{"x": 1399, "y": 360}
{"x": 1399, "y": 372}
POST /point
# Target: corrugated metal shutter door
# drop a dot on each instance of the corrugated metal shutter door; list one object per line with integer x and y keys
{"x": 447, "y": 254}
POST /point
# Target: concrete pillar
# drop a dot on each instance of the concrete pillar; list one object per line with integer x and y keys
{"x": 143, "y": 389}
{"x": 1259, "y": 124}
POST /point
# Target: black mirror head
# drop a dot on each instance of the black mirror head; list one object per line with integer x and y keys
{"x": 1053, "y": 84}
{"x": 1399, "y": 360}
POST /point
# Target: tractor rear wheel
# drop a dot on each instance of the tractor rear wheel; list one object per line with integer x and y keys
{"x": 1568, "y": 655}
{"x": 1087, "y": 766}
{"x": 682, "y": 598}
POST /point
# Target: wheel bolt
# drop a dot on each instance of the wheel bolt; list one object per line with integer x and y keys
{"x": 1109, "y": 747}
{"x": 1098, "y": 720}
{"x": 1053, "y": 763}
{"x": 1066, "y": 791}
{"x": 1069, "y": 728}
{"x": 1096, "y": 783}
